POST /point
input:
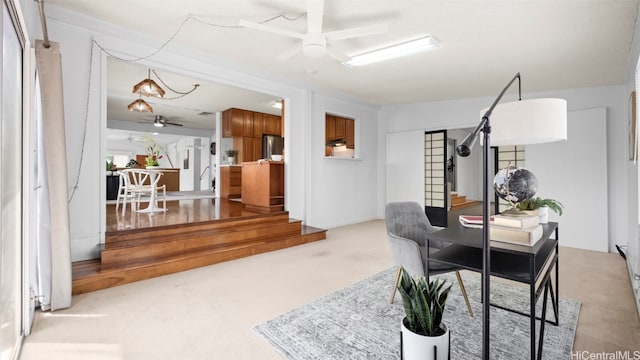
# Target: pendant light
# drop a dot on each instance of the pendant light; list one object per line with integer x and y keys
{"x": 148, "y": 87}
{"x": 140, "y": 105}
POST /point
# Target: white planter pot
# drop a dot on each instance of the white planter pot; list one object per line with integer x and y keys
{"x": 420, "y": 347}
{"x": 543, "y": 214}
{"x": 232, "y": 160}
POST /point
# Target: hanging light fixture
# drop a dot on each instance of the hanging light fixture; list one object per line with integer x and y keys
{"x": 140, "y": 105}
{"x": 148, "y": 87}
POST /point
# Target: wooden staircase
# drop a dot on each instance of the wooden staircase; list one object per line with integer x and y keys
{"x": 460, "y": 202}
{"x": 133, "y": 255}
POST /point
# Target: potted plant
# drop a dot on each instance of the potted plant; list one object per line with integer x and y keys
{"x": 540, "y": 206}
{"x": 153, "y": 152}
{"x": 231, "y": 154}
{"x": 422, "y": 327}
{"x": 109, "y": 167}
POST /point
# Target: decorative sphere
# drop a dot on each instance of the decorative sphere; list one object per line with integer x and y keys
{"x": 516, "y": 184}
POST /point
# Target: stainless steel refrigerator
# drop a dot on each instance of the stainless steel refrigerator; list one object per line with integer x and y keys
{"x": 272, "y": 145}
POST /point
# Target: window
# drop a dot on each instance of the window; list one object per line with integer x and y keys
{"x": 339, "y": 136}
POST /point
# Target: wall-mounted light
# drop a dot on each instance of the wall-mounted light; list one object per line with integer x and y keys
{"x": 277, "y": 105}
{"x": 394, "y": 51}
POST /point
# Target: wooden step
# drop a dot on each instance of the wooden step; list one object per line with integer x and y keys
{"x": 457, "y": 199}
{"x": 190, "y": 240}
{"x": 135, "y": 255}
{"x": 463, "y": 205}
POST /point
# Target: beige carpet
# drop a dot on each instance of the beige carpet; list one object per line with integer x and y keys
{"x": 208, "y": 313}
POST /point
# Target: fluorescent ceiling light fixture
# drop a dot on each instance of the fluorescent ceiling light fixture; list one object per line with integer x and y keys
{"x": 394, "y": 51}
{"x": 277, "y": 104}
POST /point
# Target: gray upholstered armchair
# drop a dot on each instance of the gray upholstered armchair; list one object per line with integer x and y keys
{"x": 407, "y": 229}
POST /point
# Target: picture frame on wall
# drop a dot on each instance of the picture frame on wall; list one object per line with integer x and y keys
{"x": 633, "y": 128}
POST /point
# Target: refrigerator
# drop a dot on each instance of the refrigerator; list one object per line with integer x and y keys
{"x": 272, "y": 145}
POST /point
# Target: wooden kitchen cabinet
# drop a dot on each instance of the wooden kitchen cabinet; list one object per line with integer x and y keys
{"x": 330, "y": 128}
{"x": 232, "y": 123}
{"x": 340, "y": 128}
{"x": 272, "y": 125}
{"x": 258, "y": 125}
{"x": 350, "y": 133}
{"x": 248, "y": 123}
{"x": 249, "y": 148}
{"x": 263, "y": 185}
{"x": 230, "y": 181}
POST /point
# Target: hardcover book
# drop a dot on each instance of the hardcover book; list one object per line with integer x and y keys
{"x": 518, "y": 222}
{"x": 472, "y": 221}
{"x": 528, "y": 236}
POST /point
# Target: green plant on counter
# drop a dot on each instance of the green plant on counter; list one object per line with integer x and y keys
{"x": 109, "y": 165}
{"x": 536, "y": 202}
{"x": 231, "y": 152}
{"x": 423, "y": 303}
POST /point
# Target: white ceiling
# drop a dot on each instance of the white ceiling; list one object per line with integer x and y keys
{"x": 554, "y": 44}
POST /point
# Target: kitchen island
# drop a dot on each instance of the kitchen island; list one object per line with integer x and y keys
{"x": 263, "y": 185}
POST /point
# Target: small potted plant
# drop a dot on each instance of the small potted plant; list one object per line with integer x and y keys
{"x": 231, "y": 155}
{"x": 109, "y": 167}
{"x": 540, "y": 206}
{"x": 422, "y": 328}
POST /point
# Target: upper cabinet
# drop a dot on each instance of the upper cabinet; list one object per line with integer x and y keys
{"x": 272, "y": 125}
{"x": 233, "y": 123}
{"x": 238, "y": 122}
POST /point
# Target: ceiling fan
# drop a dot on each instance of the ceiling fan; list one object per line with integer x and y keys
{"x": 161, "y": 121}
{"x": 316, "y": 43}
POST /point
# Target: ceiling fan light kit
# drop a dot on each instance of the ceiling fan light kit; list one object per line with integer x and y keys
{"x": 394, "y": 51}
{"x": 158, "y": 123}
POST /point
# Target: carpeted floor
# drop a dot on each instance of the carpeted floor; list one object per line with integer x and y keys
{"x": 358, "y": 322}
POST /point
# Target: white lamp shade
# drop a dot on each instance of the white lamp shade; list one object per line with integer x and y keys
{"x": 528, "y": 122}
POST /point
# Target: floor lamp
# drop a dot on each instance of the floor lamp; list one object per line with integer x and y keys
{"x": 515, "y": 123}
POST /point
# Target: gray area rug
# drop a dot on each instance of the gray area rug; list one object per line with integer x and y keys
{"x": 358, "y": 322}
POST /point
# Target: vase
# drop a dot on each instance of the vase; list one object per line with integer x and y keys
{"x": 232, "y": 160}
{"x": 416, "y": 346}
{"x": 543, "y": 214}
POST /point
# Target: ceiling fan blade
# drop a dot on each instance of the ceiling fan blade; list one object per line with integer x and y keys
{"x": 315, "y": 12}
{"x": 270, "y": 29}
{"x": 171, "y": 123}
{"x": 357, "y": 31}
{"x": 337, "y": 53}
{"x": 286, "y": 55}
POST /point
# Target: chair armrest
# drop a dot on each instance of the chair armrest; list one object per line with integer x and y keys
{"x": 406, "y": 253}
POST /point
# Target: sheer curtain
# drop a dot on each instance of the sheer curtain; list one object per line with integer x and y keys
{"x": 53, "y": 245}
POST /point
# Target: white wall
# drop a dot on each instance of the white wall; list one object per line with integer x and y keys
{"x": 342, "y": 191}
{"x": 466, "y": 113}
{"x": 577, "y": 189}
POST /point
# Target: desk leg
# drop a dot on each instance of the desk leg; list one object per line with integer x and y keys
{"x": 532, "y": 315}
{"x": 556, "y": 299}
{"x": 544, "y": 317}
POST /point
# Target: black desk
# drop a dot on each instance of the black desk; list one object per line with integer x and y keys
{"x": 526, "y": 264}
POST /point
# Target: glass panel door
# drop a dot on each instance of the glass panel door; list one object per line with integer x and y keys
{"x": 10, "y": 189}
{"x": 436, "y": 194}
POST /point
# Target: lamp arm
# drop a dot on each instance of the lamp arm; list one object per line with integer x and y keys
{"x": 497, "y": 100}
{"x": 464, "y": 149}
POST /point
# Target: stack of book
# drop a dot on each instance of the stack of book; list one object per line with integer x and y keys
{"x": 523, "y": 230}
